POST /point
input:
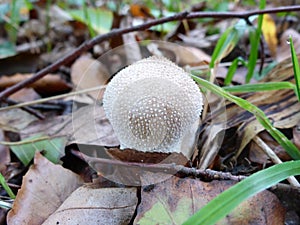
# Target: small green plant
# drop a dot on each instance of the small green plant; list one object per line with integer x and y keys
{"x": 270, "y": 86}
{"x": 13, "y": 24}
{"x": 255, "y": 37}
{"x": 229, "y": 40}
{"x": 6, "y": 187}
{"x": 296, "y": 68}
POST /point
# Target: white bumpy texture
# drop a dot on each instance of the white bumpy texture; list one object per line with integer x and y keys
{"x": 154, "y": 106}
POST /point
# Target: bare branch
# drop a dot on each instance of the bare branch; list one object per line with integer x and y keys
{"x": 161, "y": 168}
{"x": 116, "y": 32}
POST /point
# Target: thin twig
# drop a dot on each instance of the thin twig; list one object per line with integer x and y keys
{"x": 116, "y": 32}
{"x": 242, "y": 15}
{"x": 35, "y": 113}
{"x": 171, "y": 168}
{"x": 42, "y": 100}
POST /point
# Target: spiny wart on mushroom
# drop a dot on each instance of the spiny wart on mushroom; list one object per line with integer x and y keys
{"x": 154, "y": 106}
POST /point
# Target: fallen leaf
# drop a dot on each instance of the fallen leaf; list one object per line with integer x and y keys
{"x": 88, "y": 205}
{"x": 25, "y": 95}
{"x": 175, "y": 200}
{"x": 15, "y": 120}
{"x": 48, "y": 85}
{"x": 179, "y": 54}
{"x": 269, "y": 33}
{"x": 284, "y": 49}
{"x": 197, "y": 37}
{"x": 142, "y": 11}
{"x": 53, "y": 148}
{"x": 87, "y": 73}
{"x": 87, "y": 125}
{"x": 44, "y": 188}
{"x": 25, "y": 62}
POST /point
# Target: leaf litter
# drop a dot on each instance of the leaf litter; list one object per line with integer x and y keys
{"x": 51, "y": 194}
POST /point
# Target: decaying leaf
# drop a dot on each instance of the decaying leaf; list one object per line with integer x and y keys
{"x": 15, "y": 119}
{"x": 88, "y": 205}
{"x": 25, "y": 95}
{"x": 49, "y": 85}
{"x": 270, "y": 34}
{"x": 87, "y": 73}
{"x": 138, "y": 10}
{"x": 87, "y": 125}
{"x": 45, "y": 187}
{"x": 181, "y": 55}
{"x": 53, "y": 148}
{"x": 175, "y": 200}
{"x": 284, "y": 49}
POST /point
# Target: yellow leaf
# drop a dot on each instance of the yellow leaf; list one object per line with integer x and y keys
{"x": 269, "y": 32}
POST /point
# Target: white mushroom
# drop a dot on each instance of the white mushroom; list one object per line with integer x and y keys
{"x": 154, "y": 106}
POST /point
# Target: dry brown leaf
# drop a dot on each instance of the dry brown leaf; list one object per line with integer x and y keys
{"x": 180, "y": 54}
{"x": 88, "y": 205}
{"x": 269, "y": 33}
{"x": 45, "y": 187}
{"x": 192, "y": 56}
{"x": 87, "y": 125}
{"x": 25, "y": 95}
{"x": 15, "y": 120}
{"x": 91, "y": 126}
{"x": 48, "y": 85}
{"x": 87, "y": 73}
{"x": 175, "y": 200}
{"x": 284, "y": 49}
{"x": 138, "y": 10}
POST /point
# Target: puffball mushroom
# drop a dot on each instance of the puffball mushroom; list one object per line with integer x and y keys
{"x": 154, "y": 106}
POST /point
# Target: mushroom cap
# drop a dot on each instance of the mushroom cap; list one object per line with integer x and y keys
{"x": 154, "y": 106}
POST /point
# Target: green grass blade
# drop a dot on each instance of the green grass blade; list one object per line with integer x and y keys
{"x": 224, "y": 203}
{"x": 88, "y": 20}
{"x": 296, "y": 68}
{"x": 290, "y": 148}
{"x": 232, "y": 69}
{"x": 254, "y": 42}
{"x": 270, "y": 86}
{"x": 225, "y": 44}
{"x": 6, "y": 187}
